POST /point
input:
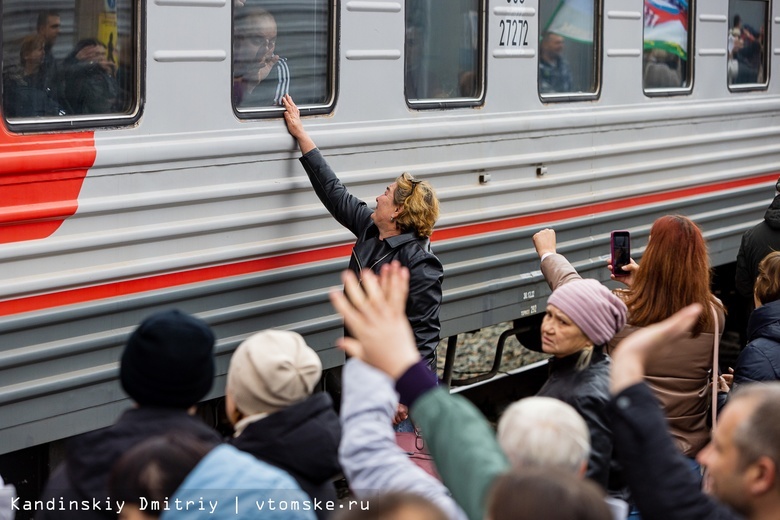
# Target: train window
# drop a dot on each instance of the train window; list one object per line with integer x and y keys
{"x": 68, "y": 65}
{"x": 666, "y": 66}
{"x": 282, "y": 47}
{"x": 568, "y": 49}
{"x": 443, "y": 64}
{"x": 747, "y": 43}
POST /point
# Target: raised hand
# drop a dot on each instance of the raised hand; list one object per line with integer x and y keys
{"x": 292, "y": 118}
{"x": 374, "y": 311}
{"x": 544, "y": 241}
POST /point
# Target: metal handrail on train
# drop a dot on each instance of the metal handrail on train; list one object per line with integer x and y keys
{"x": 449, "y": 360}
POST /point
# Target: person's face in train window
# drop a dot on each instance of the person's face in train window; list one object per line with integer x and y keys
{"x": 52, "y": 29}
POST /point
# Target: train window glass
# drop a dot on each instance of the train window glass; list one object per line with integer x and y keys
{"x": 747, "y": 43}
{"x": 443, "y": 53}
{"x": 280, "y": 47}
{"x": 69, "y": 61}
{"x": 568, "y": 49}
{"x": 666, "y": 42}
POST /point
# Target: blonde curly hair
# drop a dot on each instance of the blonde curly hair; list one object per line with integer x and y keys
{"x": 419, "y": 205}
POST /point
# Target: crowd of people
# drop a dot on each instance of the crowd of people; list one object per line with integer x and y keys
{"x": 620, "y": 429}
{"x": 87, "y": 81}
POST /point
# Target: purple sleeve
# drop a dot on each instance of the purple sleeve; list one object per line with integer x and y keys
{"x": 415, "y": 382}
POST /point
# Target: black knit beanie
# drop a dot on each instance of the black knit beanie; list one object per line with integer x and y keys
{"x": 168, "y": 361}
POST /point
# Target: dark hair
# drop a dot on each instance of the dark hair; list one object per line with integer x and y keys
{"x": 547, "y": 493}
{"x": 155, "y": 468}
{"x": 43, "y": 17}
{"x": 393, "y": 506}
{"x": 81, "y": 45}
{"x": 767, "y": 287}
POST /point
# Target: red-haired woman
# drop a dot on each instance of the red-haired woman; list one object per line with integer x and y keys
{"x": 675, "y": 273}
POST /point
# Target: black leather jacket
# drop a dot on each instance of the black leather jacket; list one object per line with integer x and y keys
{"x": 425, "y": 270}
{"x": 587, "y": 391}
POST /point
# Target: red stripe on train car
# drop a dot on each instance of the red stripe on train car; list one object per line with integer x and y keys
{"x": 601, "y": 207}
{"x": 40, "y": 181}
{"x": 163, "y": 281}
{"x": 127, "y": 287}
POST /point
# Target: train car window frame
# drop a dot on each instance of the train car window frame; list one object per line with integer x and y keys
{"x": 734, "y": 64}
{"x": 596, "y": 53}
{"x": 479, "y": 66}
{"x": 330, "y": 65}
{"x": 107, "y": 33}
{"x": 668, "y": 52}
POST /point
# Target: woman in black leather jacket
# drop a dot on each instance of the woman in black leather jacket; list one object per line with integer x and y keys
{"x": 398, "y": 229}
{"x": 581, "y": 317}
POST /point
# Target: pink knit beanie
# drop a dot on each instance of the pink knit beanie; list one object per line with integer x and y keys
{"x": 592, "y": 307}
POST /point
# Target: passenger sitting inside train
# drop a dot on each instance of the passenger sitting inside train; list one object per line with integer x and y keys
{"x": 277, "y": 418}
{"x": 456, "y": 434}
{"x": 260, "y": 77}
{"x": 554, "y": 70}
{"x": 166, "y": 368}
{"x": 88, "y": 82}
{"x": 26, "y": 92}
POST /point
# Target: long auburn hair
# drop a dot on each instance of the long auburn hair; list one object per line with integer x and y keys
{"x": 675, "y": 272}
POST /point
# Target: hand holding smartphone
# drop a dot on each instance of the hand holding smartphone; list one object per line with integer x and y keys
{"x": 620, "y": 245}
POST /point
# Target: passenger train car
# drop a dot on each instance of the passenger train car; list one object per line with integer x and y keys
{"x": 142, "y": 173}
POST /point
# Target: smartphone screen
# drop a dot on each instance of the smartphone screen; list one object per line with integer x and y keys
{"x": 621, "y": 252}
